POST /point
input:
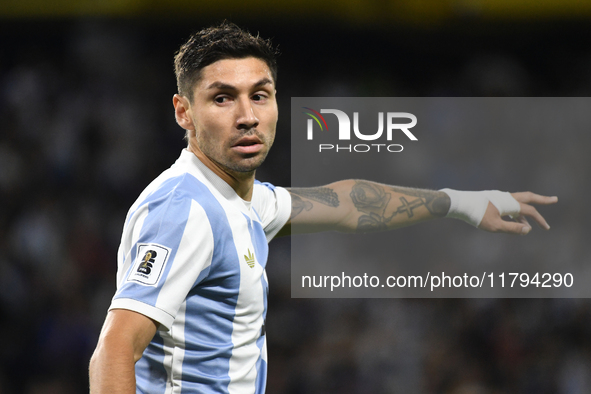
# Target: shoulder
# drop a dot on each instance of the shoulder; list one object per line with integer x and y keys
{"x": 273, "y": 205}
{"x": 170, "y": 203}
{"x": 178, "y": 187}
{"x": 266, "y": 193}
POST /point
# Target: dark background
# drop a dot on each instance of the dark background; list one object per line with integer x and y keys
{"x": 86, "y": 122}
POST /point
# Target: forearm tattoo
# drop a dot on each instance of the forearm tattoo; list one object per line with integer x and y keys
{"x": 323, "y": 195}
{"x": 373, "y": 200}
{"x": 298, "y": 205}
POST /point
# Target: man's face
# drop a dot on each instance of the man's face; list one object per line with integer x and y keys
{"x": 234, "y": 113}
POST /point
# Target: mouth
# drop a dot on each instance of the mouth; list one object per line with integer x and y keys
{"x": 248, "y": 145}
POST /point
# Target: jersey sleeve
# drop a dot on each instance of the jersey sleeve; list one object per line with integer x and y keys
{"x": 167, "y": 248}
{"x": 273, "y": 205}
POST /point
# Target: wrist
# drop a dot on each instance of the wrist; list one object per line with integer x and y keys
{"x": 470, "y": 206}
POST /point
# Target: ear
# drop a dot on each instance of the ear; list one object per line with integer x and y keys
{"x": 182, "y": 112}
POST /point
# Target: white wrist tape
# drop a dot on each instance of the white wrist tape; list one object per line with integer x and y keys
{"x": 471, "y": 206}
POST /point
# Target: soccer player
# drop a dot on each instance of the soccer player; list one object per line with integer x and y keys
{"x": 189, "y": 311}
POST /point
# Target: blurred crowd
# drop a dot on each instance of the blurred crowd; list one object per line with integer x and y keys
{"x": 86, "y": 122}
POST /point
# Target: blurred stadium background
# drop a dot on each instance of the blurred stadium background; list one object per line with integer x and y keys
{"x": 86, "y": 122}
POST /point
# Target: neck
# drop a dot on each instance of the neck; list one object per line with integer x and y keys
{"x": 241, "y": 182}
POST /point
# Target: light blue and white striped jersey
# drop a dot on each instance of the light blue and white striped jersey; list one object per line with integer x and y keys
{"x": 192, "y": 257}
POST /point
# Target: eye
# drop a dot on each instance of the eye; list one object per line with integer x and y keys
{"x": 220, "y": 99}
{"x": 259, "y": 97}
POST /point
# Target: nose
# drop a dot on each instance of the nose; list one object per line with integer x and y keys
{"x": 246, "y": 119}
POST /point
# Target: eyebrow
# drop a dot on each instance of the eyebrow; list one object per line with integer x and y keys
{"x": 225, "y": 86}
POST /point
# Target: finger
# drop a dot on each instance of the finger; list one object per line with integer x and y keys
{"x": 521, "y": 219}
{"x": 530, "y": 211}
{"x": 520, "y": 228}
{"x": 533, "y": 198}
{"x": 492, "y": 222}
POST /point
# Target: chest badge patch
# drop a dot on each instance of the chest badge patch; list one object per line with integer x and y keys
{"x": 249, "y": 259}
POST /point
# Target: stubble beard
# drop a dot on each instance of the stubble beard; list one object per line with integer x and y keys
{"x": 243, "y": 167}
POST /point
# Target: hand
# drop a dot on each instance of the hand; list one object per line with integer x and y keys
{"x": 493, "y": 222}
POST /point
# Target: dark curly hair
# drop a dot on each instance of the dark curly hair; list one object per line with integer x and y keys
{"x": 225, "y": 41}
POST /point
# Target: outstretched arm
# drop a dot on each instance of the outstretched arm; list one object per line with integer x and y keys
{"x": 364, "y": 206}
